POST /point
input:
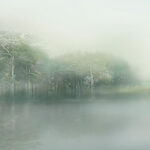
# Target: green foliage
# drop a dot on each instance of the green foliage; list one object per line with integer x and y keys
{"x": 106, "y": 69}
{"x": 25, "y": 67}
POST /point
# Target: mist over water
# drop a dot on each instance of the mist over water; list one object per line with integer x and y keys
{"x": 121, "y": 124}
{"x": 74, "y": 75}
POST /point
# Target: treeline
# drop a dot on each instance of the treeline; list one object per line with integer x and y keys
{"x": 26, "y": 70}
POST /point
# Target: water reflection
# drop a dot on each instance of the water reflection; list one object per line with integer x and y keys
{"x": 97, "y": 124}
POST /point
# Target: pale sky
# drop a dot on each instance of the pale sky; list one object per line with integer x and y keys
{"x": 120, "y": 27}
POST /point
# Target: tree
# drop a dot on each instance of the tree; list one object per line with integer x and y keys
{"x": 21, "y": 59}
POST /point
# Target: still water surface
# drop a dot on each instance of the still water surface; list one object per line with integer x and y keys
{"x": 75, "y": 125}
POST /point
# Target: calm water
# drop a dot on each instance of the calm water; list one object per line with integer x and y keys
{"x": 92, "y": 125}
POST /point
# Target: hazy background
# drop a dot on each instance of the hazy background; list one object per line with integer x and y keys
{"x": 41, "y": 108}
{"x": 114, "y": 26}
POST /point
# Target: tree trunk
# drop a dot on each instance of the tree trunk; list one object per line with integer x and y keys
{"x": 29, "y": 84}
{"x": 13, "y": 75}
{"x": 91, "y": 81}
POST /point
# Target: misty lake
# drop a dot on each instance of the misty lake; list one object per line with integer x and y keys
{"x": 122, "y": 124}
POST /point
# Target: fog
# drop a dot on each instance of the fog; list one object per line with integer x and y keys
{"x": 101, "y": 124}
{"x": 80, "y": 80}
{"x": 117, "y": 27}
